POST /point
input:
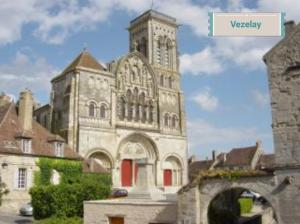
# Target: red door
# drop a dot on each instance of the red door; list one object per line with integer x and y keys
{"x": 126, "y": 170}
{"x": 167, "y": 177}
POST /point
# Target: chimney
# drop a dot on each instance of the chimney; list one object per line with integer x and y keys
{"x": 5, "y": 99}
{"x": 26, "y": 109}
{"x": 289, "y": 27}
{"x": 258, "y": 143}
{"x": 214, "y": 155}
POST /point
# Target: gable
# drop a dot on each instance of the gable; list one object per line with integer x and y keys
{"x": 133, "y": 71}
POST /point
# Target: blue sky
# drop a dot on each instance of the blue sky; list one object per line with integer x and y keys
{"x": 224, "y": 79}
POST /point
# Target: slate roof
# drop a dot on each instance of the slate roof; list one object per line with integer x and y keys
{"x": 85, "y": 60}
{"x": 11, "y": 129}
{"x": 197, "y": 166}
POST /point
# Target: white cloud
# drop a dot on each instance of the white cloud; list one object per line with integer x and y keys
{"x": 290, "y": 7}
{"x": 260, "y": 98}
{"x": 55, "y": 20}
{"x": 205, "y": 137}
{"x": 203, "y": 62}
{"x": 206, "y": 100}
{"x": 26, "y": 71}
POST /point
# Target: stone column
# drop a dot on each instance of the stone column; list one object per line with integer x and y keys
{"x": 126, "y": 112}
{"x": 141, "y": 189}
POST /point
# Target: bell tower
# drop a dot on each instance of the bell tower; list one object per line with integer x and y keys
{"x": 154, "y": 35}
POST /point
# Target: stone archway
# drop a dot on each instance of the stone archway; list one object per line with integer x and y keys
{"x": 172, "y": 170}
{"x": 240, "y": 205}
{"x": 101, "y": 157}
{"x": 210, "y": 188}
{"x": 132, "y": 148}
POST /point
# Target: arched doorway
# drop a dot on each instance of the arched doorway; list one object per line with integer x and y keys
{"x": 172, "y": 171}
{"x": 133, "y": 148}
{"x": 102, "y": 158}
{"x": 240, "y": 206}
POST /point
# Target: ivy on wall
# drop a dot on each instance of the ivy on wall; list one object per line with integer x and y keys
{"x": 66, "y": 199}
{"x": 69, "y": 170}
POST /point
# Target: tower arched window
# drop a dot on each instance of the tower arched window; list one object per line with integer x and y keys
{"x": 143, "y": 46}
{"x": 130, "y": 111}
{"x": 159, "y": 52}
{"x": 170, "y": 82}
{"x": 92, "y": 110}
{"x": 136, "y": 94}
{"x": 162, "y": 80}
{"x": 174, "y": 121}
{"x": 168, "y": 54}
{"x": 128, "y": 95}
{"x": 123, "y": 108}
{"x": 151, "y": 116}
{"x": 102, "y": 111}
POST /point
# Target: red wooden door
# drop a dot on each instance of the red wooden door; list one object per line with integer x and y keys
{"x": 116, "y": 220}
{"x": 167, "y": 177}
{"x": 126, "y": 176}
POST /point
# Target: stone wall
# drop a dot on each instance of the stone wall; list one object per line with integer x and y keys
{"x": 188, "y": 210}
{"x": 16, "y": 197}
{"x": 134, "y": 212}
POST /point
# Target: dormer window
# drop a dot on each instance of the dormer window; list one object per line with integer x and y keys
{"x": 59, "y": 149}
{"x": 26, "y": 145}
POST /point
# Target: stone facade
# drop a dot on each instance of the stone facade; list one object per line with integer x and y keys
{"x": 132, "y": 109}
{"x": 9, "y": 175}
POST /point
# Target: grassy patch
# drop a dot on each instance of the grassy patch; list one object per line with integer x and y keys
{"x": 246, "y": 205}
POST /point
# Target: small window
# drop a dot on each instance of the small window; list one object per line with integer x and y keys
{"x": 26, "y": 145}
{"x": 174, "y": 118}
{"x": 22, "y": 175}
{"x": 92, "y": 110}
{"x": 102, "y": 111}
{"x": 59, "y": 149}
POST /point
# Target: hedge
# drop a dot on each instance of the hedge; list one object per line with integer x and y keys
{"x": 66, "y": 200}
{"x": 246, "y": 205}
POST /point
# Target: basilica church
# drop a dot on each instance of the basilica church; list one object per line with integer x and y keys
{"x": 130, "y": 109}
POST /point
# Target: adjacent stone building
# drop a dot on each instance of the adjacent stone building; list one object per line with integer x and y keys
{"x": 22, "y": 142}
{"x": 130, "y": 109}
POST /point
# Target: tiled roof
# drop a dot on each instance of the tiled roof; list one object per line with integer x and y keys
{"x": 11, "y": 130}
{"x": 86, "y": 60}
{"x": 266, "y": 161}
{"x": 3, "y": 111}
{"x": 240, "y": 156}
{"x": 197, "y": 166}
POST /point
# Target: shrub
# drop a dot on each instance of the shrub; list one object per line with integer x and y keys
{"x": 66, "y": 200}
{"x": 3, "y": 191}
{"x": 246, "y": 205}
{"x": 60, "y": 220}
